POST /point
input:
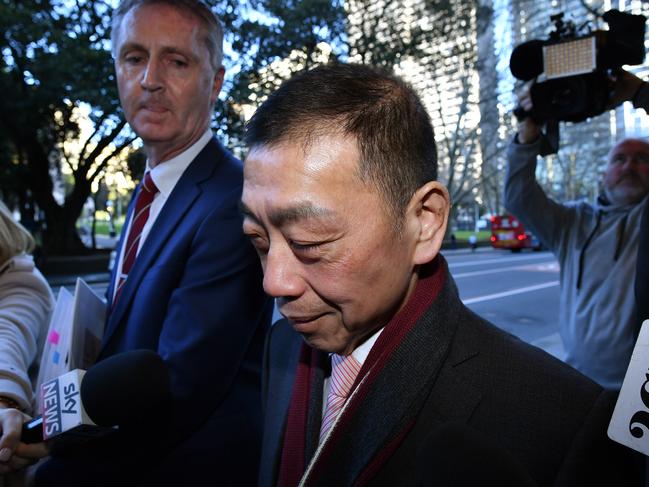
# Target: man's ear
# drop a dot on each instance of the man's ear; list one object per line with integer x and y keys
{"x": 429, "y": 208}
{"x": 217, "y": 84}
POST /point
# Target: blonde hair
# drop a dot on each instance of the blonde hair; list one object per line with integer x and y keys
{"x": 14, "y": 238}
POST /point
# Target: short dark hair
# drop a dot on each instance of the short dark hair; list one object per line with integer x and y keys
{"x": 213, "y": 27}
{"x": 380, "y": 110}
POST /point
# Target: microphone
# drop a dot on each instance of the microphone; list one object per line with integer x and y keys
{"x": 526, "y": 61}
{"x": 455, "y": 454}
{"x": 118, "y": 391}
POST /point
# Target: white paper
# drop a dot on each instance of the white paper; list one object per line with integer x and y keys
{"x": 630, "y": 421}
{"x": 74, "y": 335}
{"x": 88, "y": 326}
{"x": 56, "y": 346}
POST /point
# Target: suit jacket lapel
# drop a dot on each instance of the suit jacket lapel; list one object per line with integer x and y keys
{"x": 179, "y": 202}
{"x": 283, "y": 345}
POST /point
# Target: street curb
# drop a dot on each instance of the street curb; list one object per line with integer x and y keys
{"x": 66, "y": 265}
{"x": 71, "y": 279}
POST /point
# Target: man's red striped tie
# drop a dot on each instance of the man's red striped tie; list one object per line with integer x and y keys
{"x": 145, "y": 197}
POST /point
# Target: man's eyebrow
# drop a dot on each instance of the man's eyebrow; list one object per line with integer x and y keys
{"x": 130, "y": 46}
{"x": 245, "y": 211}
{"x": 180, "y": 52}
{"x": 136, "y": 46}
{"x": 298, "y": 212}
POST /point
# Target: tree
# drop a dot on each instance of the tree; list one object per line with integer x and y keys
{"x": 273, "y": 39}
{"x": 54, "y": 63}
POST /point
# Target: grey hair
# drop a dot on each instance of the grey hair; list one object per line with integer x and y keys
{"x": 213, "y": 27}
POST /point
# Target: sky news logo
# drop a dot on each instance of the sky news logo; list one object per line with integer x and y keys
{"x": 61, "y": 404}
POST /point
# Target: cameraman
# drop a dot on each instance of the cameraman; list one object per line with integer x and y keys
{"x": 596, "y": 245}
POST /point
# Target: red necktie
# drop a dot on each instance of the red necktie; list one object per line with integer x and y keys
{"x": 141, "y": 214}
{"x": 343, "y": 374}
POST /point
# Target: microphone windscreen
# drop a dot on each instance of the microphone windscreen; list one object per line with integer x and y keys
{"x": 120, "y": 389}
{"x": 455, "y": 454}
{"x": 526, "y": 61}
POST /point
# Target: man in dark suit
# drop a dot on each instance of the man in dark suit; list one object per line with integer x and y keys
{"x": 377, "y": 356}
{"x": 186, "y": 283}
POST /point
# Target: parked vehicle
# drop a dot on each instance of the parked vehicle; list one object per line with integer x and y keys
{"x": 508, "y": 233}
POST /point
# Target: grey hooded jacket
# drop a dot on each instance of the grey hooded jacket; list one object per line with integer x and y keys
{"x": 597, "y": 247}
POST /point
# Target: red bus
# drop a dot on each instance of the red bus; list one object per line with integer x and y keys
{"x": 508, "y": 233}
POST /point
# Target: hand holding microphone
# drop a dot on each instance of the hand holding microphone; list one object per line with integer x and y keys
{"x": 15, "y": 454}
{"x": 79, "y": 406}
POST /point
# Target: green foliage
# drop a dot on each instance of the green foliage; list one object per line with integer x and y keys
{"x": 54, "y": 62}
{"x": 463, "y": 235}
{"x": 102, "y": 227}
{"x": 271, "y": 39}
{"x": 54, "y": 59}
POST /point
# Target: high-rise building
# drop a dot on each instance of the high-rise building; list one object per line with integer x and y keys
{"x": 433, "y": 46}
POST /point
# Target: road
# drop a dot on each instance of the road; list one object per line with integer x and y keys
{"x": 517, "y": 292}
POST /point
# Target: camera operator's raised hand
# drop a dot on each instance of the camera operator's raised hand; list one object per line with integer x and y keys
{"x": 625, "y": 87}
{"x": 15, "y": 455}
{"x": 528, "y": 129}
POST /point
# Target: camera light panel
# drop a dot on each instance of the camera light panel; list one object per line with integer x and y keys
{"x": 570, "y": 58}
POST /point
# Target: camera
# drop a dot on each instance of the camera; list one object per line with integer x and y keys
{"x": 572, "y": 68}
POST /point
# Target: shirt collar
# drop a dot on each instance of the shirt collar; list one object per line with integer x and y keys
{"x": 363, "y": 350}
{"x": 166, "y": 174}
